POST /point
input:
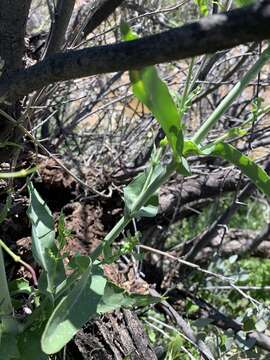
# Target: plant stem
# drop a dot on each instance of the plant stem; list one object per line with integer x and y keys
{"x": 5, "y": 300}
{"x": 142, "y": 199}
{"x": 202, "y": 132}
{"x": 18, "y": 259}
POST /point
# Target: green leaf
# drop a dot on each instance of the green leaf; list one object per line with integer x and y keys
{"x": 74, "y": 310}
{"x": 154, "y": 93}
{"x": 139, "y": 185}
{"x": 29, "y": 344}
{"x": 19, "y": 286}
{"x": 63, "y": 232}
{"x": 227, "y": 152}
{"x": 44, "y": 247}
{"x": 18, "y": 174}
{"x": 182, "y": 167}
{"x": 8, "y": 347}
{"x": 127, "y": 33}
{"x": 203, "y": 6}
{"x": 241, "y": 3}
{"x": 253, "y": 171}
{"x": 115, "y": 297}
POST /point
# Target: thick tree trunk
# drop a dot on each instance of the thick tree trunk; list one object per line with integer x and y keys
{"x": 13, "y": 18}
{"x": 116, "y": 336}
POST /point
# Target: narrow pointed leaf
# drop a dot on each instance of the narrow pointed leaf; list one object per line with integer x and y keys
{"x": 253, "y": 171}
{"x": 135, "y": 189}
{"x": 153, "y": 92}
{"x": 43, "y": 240}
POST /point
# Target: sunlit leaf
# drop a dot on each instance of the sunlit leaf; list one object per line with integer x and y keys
{"x": 253, "y": 171}
{"x": 227, "y": 152}
{"x": 203, "y": 6}
{"x": 154, "y": 93}
{"x": 43, "y": 241}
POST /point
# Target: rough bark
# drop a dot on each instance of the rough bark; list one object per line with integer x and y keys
{"x": 59, "y": 26}
{"x": 217, "y": 32}
{"x": 102, "y": 10}
{"x": 13, "y": 17}
{"x": 115, "y": 336}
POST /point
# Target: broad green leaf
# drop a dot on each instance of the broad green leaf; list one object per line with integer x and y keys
{"x": 253, "y": 171}
{"x": 115, "y": 297}
{"x": 43, "y": 241}
{"x": 154, "y": 93}
{"x": 139, "y": 185}
{"x": 79, "y": 306}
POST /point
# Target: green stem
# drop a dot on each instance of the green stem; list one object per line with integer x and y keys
{"x": 202, "y": 132}
{"x": 17, "y": 174}
{"x": 187, "y": 88}
{"x": 142, "y": 199}
{"x": 5, "y": 300}
{"x": 18, "y": 259}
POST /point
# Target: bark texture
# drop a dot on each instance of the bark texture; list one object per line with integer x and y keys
{"x": 206, "y": 36}
{"x": 13, "y": 18}
{"x": 116, "y": 336}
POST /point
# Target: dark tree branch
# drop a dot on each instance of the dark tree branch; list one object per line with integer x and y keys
{"x": 254, "y": 244}
{"x": 184, "y": 327}
{"x": 102, "y": 10}
{"x": 196, "y": 188}
{"x": 13, "y": 17}
{"x": 208, "y": 35}
{"x": 59, "y": 26}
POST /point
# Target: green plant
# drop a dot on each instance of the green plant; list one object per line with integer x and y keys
{"x": 55, "y": 319}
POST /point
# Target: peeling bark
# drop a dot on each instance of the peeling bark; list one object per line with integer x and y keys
{"x": 115, "y": 336}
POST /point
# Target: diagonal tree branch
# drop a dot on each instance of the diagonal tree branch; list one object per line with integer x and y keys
{"x": 62, "y": 17}
{"x": 208, "y": 35}
{"x": 102, "y": 10}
